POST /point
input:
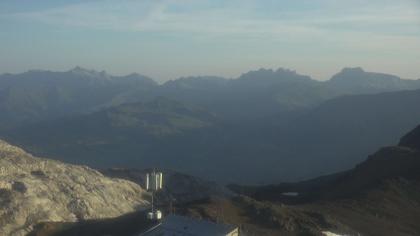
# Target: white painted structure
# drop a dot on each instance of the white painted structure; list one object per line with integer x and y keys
{"x": 154, "y": 215}
{"x": 154, "y": 182}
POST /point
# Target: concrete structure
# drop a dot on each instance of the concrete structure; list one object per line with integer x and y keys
{"x": 174, "y": 225}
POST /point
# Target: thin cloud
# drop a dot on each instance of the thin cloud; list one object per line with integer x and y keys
{"x": 273, "y": 29}
{"x": 228, "y": 19}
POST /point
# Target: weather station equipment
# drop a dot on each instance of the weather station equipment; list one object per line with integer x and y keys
{"x": 154, "y": 182}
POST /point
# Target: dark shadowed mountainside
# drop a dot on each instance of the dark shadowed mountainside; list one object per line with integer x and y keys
{"x": 380, "y": 196}
{"x": 411, "y": 139}
{"x": 342, "y": 131}
{"x": 390, "y": 163}
{"x": 129, "y": 134}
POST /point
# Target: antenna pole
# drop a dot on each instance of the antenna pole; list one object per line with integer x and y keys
{"x": 153, "y": 184}
{"x": 153, "y": 193}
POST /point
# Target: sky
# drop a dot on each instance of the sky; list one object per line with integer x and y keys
{"x": 167, "y": 39}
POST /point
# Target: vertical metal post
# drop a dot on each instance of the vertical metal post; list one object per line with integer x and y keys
{"x": 153, "y": 210}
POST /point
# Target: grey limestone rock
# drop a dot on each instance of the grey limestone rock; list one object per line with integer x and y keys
{"x": 34, "y": 190}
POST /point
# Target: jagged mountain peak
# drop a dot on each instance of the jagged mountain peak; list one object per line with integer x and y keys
{"x": 80, "y": 71}
{"x": 265, "y": 71}
{"x": 352, "y": 70}
{"x": 197, "y": 82}
{"x": 133, "y": 75}
{"x": 278, "y": 75}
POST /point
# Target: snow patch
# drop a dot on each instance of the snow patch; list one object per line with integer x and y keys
{"x": 327, "y": 233}
{"x": 290, "y": 194}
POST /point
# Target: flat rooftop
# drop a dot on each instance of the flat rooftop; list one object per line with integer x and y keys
{"x": 176, "y": 225}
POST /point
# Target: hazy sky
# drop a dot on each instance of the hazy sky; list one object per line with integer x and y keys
{"x": 170, "y": 38}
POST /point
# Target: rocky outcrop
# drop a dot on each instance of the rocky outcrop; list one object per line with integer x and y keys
{"x": 34, "y": 190}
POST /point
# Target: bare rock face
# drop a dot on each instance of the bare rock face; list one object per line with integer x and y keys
{"x": 34, "y": 190}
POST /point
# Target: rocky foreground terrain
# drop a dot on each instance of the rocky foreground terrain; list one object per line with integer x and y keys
{"x": 34, "y": 190}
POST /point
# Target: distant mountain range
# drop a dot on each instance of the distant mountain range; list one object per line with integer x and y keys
{"x": 266, "y": 125}
{"x": 44, "y": 95}
{"x": 265, "y": 92}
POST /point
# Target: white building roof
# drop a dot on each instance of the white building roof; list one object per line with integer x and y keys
{"x": 175, "y": 225}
